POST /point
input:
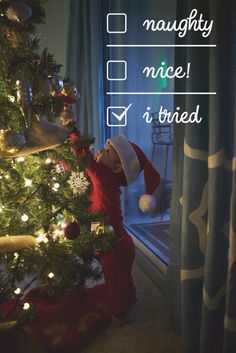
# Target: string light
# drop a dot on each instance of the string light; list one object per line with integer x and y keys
{"x": 56, "y": 187}
{"x": 17, "y": 291}
{"x": 11, "y": 99}
{"x": 24, "y": 218}
{"x": 28, "y": 182}
{"x": 63, "y": 225}
{"x": 58, "y": 232}
{"x": 20, "y": 159}
{"x": 42, "y": 238}
{"x": 26, "y": 306}
{"x": 51, "y": 275}
{"x": 48, "y": 161}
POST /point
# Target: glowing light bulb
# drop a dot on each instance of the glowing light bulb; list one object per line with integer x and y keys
{"x": 48, "y": 161}
{"x": 20, "y": 159}
{"x": 58, "y": 232}
{"x": 28, "y": 182}
{"x": 17, "y": 291}
{"x": 17, "y": 82}
{"x": 56, "y": 187}
{"x": 24, "y": 218}
{"x": 11, "y": 99}
{"x": 42, "y": 238}
{"x": 51, "y": 275}
{"x": 7, "y": 176}
{"x": 26, "y": 306}
{"x": 1, "y": 209}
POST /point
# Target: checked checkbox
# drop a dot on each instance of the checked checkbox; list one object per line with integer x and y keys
{"x": 117, "y": 116}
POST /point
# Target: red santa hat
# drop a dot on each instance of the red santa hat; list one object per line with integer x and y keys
{"x": 133, "y": 161}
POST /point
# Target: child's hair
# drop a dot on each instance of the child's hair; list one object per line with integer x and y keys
{"x": 122, "y": 178}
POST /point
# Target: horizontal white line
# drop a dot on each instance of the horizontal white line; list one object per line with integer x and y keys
{"x": 163, "y": 93}
{"x": 161, "y": 45}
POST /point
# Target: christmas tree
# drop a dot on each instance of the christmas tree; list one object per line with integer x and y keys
{"x": 44, "y": 189}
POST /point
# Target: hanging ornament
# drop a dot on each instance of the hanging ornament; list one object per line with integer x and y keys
{"x": 78, "y": 183}
{"x": 69, "y": 95}
{"x": 18, "y": 11}
{"x": 41, "y": 136}
{"x": 62, "y": 167}
{"x": 71, "y": 230}
{"x": 24, "y": 97}
{"x": 56, "y": 83}
{"x": 11, "y": 141}
{"x": 101, "y": 228}
{"x": 13, "y": 37}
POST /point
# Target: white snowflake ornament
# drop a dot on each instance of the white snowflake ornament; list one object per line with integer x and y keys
{"x": 78, "y": 183}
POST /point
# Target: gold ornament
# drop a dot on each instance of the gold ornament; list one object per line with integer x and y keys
{"x": 70, "y": 90}
{"x": 101, "y": 228}
{"x": 18, "y": 11}
{"x": 11, "y": 141}
{"x": 16, "y": 242}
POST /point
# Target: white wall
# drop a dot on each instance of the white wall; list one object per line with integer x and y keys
{"x": 54, "y": 31}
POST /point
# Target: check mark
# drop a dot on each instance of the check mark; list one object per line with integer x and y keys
{"x": 122, "y": 115}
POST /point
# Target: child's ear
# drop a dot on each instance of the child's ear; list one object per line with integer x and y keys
{"x": 117, "y": 168}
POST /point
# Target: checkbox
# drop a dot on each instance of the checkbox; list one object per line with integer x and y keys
{"x": 117, "y": 116}
{"x": 116, "y": 23}
{"x": 112, "y": 119}
{"x": 116, "y": 70}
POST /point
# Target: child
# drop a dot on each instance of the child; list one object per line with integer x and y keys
{"x": 119, "y": 164}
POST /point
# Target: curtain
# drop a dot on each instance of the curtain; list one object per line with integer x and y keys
{"x": 202, "y": 271}
{"x": 85, "y": 65}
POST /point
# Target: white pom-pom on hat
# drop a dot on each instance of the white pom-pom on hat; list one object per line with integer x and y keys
{"x": 147, "y": 203}
{"x": 133, "y": 161}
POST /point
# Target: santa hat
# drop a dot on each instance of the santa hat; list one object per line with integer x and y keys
{"x": 133, "y": 161}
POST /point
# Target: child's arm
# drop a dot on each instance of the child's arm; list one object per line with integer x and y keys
{"x": 93, "y": 166}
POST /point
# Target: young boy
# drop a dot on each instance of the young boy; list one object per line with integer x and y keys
{"x": 119, "y": 164}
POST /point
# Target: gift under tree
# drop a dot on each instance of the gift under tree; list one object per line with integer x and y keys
{"x": 43, "y": 192}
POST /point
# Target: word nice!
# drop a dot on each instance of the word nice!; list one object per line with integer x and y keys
{"x": 183, "y": 26}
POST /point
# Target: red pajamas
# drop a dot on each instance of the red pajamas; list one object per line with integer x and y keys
{"x": 117, "y": 265}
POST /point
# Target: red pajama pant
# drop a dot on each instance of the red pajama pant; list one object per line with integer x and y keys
{"x": 117, "y": 267}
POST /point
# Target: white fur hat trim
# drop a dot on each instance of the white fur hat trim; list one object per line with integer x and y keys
{"x": 128, "y": 157}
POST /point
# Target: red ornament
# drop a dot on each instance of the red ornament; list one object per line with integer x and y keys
{"x": 74, "y": 136}
{"x": 80, "y": 151}
{"x": 72, "y": 230}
